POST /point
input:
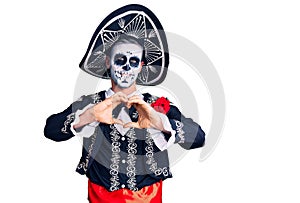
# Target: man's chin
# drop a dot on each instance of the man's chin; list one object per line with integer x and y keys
{"x": 124, "y": 84}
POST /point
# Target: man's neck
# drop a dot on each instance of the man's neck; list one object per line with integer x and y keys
{"x": 127, "y": 91}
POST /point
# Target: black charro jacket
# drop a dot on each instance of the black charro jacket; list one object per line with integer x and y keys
{"x": 131, "y": 161}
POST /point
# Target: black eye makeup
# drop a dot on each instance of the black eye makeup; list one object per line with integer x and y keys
{"x": 134, "y": 61}
{"x": 120, "y": 60}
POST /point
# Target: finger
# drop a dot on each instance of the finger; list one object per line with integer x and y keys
{"x": 132, "y": 101}
{"x": 119, "y": 98}
{"x": 121, "y": 94}
{"x": 134, "y": 97}
{"x": 103, "y": 105}
{"x": 117, "y": 121}
{"x": 132, "y": 125}
{"x": 119, "y": 101}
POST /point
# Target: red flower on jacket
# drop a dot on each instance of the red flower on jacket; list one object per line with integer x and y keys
{"x": 161, "y": 105}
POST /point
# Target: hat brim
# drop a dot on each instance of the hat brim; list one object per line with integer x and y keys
{"x": 136, "y": 21}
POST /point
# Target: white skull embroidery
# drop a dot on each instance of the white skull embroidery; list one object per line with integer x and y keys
{"x": 125, "y": 63}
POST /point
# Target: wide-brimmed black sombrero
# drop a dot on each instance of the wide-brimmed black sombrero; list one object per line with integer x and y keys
{"x": 135, "y": 21}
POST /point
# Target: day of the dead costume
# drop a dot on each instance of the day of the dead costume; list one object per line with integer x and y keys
{"x": 126, "y": 165}
{"x": 132, "y": 160}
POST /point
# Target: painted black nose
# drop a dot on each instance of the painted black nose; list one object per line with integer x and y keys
{"x": 126, "y": 67}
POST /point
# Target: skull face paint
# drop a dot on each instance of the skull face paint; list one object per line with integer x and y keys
{"x": 125, "y": 63}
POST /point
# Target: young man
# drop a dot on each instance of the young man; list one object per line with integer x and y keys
{"x": 126, "y": 133}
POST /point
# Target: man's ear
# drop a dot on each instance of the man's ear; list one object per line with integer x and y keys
{"x": 107, "y": 62}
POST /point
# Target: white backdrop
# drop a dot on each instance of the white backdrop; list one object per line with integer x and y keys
{"x": 254, "y": 46}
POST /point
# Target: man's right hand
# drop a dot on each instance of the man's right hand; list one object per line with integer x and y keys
{"x": 102, "y": 112}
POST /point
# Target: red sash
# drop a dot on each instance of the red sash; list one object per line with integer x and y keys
{"x": 148, "y": 194}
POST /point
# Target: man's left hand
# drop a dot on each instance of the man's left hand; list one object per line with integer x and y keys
{"x": 148, "y": 117}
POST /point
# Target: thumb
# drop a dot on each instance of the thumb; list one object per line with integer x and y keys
{"x": 117, "y": 121}
{"x": 132, "y": 125}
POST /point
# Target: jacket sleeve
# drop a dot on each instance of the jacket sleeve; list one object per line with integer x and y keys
{"x": 58, "y": 126}
{"x": 189, "y": 134}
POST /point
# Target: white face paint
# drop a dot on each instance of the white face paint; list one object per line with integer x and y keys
{"x": 125, "y": 63}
